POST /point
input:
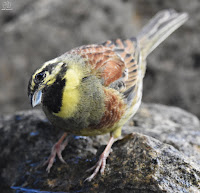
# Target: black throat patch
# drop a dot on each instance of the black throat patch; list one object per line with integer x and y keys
{"x": 52, "y": 95}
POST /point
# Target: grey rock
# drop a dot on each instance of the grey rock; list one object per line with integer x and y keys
{"x": 142, "y": 164}
{"x": 37, "y": 31}
{"x": 168, "y": 161}
{"x": 170, "y": 125}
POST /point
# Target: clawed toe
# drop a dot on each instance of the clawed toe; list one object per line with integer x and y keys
{"x": 57, "y": 150}
{"x": 101, "y": 164}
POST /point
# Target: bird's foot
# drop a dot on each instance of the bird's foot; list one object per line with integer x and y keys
{"x": 101, "y": 164}
{"x": 57, "y": 150}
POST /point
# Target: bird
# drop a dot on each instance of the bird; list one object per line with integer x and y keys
{"x": 95, "y": 89}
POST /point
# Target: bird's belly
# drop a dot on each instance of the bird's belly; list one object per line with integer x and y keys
{"x": 76, "y": 125}
{"x": 79, "y": 126}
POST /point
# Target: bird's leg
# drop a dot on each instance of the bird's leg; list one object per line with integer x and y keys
{"x": 57, "y": 150}
{"x": 100, "y": 165}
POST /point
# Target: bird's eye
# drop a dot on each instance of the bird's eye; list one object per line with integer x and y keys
{"x": 40, "y": 76}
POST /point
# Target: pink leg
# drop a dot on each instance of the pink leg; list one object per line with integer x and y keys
{"x": 100, "y": 165}
{"x": 57, "y": 150}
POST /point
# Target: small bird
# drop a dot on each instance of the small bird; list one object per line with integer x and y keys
{"x": 95, "y": 89}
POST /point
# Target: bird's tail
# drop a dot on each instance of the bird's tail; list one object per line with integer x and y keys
{"x": 158, "y": 29}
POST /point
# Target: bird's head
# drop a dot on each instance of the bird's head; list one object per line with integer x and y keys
{"x": 65, "y": 70}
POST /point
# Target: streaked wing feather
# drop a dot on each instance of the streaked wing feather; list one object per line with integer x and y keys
{"x": 115, "y": 62}
{"x": 104, "y": 61}
{"x": 127, "y": 50}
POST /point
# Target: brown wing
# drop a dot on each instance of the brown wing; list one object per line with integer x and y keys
{"x": 128, "y": 51}
{"x": 104, "y": 62}
{"x": 116, "y": 62}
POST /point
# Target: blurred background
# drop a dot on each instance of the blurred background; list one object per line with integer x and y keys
{"x": 32, "y": 32}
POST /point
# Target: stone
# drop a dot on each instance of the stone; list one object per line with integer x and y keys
{"x": 158, "y": 152}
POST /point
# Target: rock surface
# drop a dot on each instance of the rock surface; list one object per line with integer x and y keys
{"x": 168, "y": 161}
{"x": 36, "y": 31}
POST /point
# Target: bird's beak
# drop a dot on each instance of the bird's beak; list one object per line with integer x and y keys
{"x": 36, "y": 98}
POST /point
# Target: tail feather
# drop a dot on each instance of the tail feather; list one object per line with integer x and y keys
{"x": 158, "y": 29}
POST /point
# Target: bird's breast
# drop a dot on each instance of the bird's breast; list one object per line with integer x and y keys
{"x": 114, "y": 109}
{"x": 98, "y": 113}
